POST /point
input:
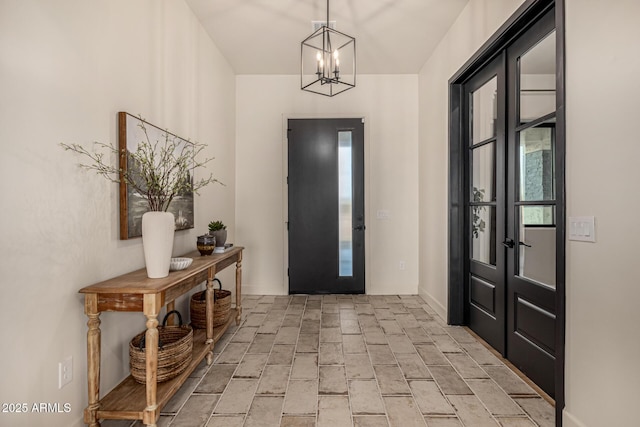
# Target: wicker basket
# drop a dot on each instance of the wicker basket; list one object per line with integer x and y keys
{"x": 174, "y": 353}
{"x": 221, "y": 310}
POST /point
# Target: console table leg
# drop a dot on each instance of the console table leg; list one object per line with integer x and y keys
{"x": 93, "y": 360}
{"x": 151, "y": 309}
{"x": 210, "y": 310}
{"x": 239, "y": 289}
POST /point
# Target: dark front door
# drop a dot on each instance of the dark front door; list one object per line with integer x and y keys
{"x": 326, "y": 205}
{"x": 511, "y": 202}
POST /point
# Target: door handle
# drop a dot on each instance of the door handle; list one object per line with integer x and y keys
{"x": 524, "y": 244}
{"x": 360, "y": 228}
{"x": 508, "y": 243}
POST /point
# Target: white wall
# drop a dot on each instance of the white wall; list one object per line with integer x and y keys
{"x": 390, "y": 106}
{"x": 603, "y": 150}
{"x": 66, "y": 68}
{"x": 477, "y": 22}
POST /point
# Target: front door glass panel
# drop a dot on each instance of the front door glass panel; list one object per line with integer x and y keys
{"x": 345, "y": 204}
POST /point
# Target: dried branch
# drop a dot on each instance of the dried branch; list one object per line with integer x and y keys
{"x": 158, "y": 172}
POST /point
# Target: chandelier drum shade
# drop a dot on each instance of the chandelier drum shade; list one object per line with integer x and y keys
{"x": 328, "y": 61}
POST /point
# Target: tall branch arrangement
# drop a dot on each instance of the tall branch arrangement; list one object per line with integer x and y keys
{"x": 157, "y": 170}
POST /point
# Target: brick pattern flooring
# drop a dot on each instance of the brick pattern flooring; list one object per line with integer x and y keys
{"x": 351, "y": 360}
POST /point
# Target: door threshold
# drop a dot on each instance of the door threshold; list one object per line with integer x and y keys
{"x": 513, "y": 368}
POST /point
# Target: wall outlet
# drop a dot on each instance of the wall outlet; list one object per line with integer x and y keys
{"x": 65, "y": 372}
{"x": 401, "y": 265}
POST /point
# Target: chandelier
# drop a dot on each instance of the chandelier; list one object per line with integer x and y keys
{"x": 328, "y": 61}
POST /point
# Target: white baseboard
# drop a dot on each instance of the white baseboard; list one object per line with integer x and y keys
{"x": 250, "y": 290}
{"x": 259, "y": 290}
{"x": 569, "y": 420}
{"x": 439, "y": 308}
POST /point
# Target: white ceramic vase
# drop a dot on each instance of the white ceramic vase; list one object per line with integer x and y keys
{"x": 158, "y": 229}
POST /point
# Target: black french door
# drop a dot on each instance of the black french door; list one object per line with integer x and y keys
{"x": 485, "y": 210}
{"x": 532, "y": 204}
{"x": 511, "y": 203}
{"x": 326, "y": 221}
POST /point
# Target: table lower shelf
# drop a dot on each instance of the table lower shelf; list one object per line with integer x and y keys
{"x": 128, "y": 400}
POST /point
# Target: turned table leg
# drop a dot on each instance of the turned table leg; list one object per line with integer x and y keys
{"x": 210, "y": 308}
{"x": 152, "y": 307}
{"x": 93, "y": 360}
{"x": 239, "y": 289}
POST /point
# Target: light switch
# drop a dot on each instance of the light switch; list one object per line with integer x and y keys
{"x": 382, "y": 214}
{"x": 582, "y": 228}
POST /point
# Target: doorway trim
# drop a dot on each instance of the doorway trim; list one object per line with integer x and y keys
{"x": 520, "y": 21}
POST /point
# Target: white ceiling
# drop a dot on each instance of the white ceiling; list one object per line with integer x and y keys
{"x": 263, "y": 36}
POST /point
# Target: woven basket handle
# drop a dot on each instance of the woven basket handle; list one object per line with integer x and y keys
{"x": 166, "y": 316}
{"x": 215, "y": 279}
{"x": 164, "y": 323}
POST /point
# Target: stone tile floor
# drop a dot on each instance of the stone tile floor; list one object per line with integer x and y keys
{"x": 351, "y": 360}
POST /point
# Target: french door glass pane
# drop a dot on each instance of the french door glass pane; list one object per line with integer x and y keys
{"x": 483, "y": 232}
{"x": 345, "y": 204}
{"x": 537, "y": 244}
{"x": 537, "y": 162}
{"x": 484, "y": 173}
{"x": 538, "y": 80}
{"x": 538, "y": 215}
{"x": 484, "y": 111}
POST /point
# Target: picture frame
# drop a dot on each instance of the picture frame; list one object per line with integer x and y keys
{"x": 132, "y": 205}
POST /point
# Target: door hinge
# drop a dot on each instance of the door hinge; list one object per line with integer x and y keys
{"x": 287, "y": 225}
{"x": 287, "y": 180}
{"x": 287, "y": 272}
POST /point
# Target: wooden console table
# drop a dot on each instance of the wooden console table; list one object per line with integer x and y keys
{"x": 135, "y": 292}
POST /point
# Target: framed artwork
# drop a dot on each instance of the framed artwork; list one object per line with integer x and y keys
{"x": 133, "y": 205}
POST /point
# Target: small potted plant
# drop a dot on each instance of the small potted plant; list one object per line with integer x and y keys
{"x": 219, "y": 230}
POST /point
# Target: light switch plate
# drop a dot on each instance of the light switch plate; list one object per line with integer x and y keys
{"x": 582, "y": 228}
{"x": 383, "y": 214}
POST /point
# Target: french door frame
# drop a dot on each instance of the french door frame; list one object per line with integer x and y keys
{"x": 526, "y": 15}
